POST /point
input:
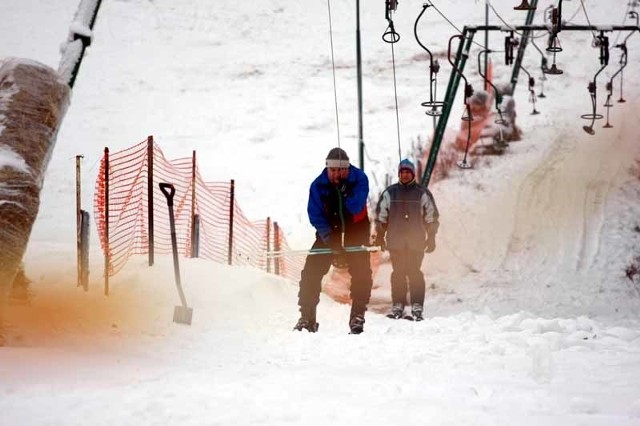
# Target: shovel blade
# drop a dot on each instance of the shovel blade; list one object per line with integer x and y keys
{"x": 182, "y": 315}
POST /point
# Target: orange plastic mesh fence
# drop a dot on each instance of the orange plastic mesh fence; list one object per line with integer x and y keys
{"x": 129, "y": 218}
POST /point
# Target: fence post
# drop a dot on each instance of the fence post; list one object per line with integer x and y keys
{"x": 268, "y": 243}
{"x": 194, "y": 242}
{"x": 107, "y": 251}
{"x": 276, "y": 247}
{"x": 84, "y": 253}
{"x": 231, "y": 208}
{"x": 195, "y": 248}
{"x": 78, "y": 222}
{"x": 150, "y": 198}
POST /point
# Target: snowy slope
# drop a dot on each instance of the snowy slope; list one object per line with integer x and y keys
{"x": 530, "y": 317}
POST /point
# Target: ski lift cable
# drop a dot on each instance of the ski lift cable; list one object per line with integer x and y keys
{"x": 395, "y": 93}
{"x": 531, "y": 36}
{"x": 586, "y": 15}
{"x": 500, "y": 18}
{"x": 444, "y": 17}
{"x": 538, "y": 49}
{"x": 451, "y": 23}
{"x": 392, "y": 37}
{"x": 333, "y": 66}
{"x": 626, "y": 16}
{"x": 570, "y": 20}
{"x": 511, "y": 28}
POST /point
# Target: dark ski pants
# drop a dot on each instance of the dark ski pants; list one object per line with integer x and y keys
{"x": 317, "y": 265}
{"x": 406, "y": 273}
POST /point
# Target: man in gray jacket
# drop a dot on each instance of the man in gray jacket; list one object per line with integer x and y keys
{"x": 407, "y": 215}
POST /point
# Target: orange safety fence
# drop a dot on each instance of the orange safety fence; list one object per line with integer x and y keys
{"x": 125, "y": 184}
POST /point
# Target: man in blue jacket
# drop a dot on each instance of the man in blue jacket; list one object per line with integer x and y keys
{"x": 407, "y": 214}
{"x": 337, "y": 209}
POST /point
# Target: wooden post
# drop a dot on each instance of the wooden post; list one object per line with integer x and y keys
{"x": 231, "y": 208}
{"x": 78, "y": 222}
{"x": 268, "y": 243}
{"x": 84, "y": 252}
{"x": 276, "y": 247}
{"x": 107, "y": 251}
{"x": 150, "y": 199}
{"x": 194, "y": 243}
{"x": 195, "y": 248}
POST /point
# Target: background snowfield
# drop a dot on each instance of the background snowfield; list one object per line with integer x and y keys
{"x": 530, "y": 317}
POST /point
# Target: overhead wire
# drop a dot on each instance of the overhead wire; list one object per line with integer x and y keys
{"x": 395, "y": 93}
{"x": 392, "y": 37}
{"x": 444, "y": 17}
{"x": 626, "y": 15}
{"x": 451, "y": 23}
{"x": 333, "y": 65}
{"x": 511, "y": 28}
{"x": 586, "y": 15}
{"x": 570, "y": 20}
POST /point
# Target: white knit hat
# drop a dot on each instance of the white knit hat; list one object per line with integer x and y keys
{"x": 338, "y": 159}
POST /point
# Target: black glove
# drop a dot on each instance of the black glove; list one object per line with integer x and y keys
{"x": 339, "y": 254}
{"x": 380, "y": 232}
{"x": 431, "y": 243}
{"x": 335, "y": 244}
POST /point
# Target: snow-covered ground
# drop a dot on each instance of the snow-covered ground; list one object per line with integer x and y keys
{"x": 531, "y": 319}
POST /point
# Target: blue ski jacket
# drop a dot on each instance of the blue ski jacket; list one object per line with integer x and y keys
{"x": 335, "y": 209}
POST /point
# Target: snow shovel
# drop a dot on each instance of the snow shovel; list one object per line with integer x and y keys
{"x": 181, "y": 314}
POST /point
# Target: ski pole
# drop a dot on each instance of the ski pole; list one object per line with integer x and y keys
{"x": 349, "y": 249}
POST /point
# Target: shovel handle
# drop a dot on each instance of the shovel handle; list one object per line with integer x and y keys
{"x": 169, "y": 191}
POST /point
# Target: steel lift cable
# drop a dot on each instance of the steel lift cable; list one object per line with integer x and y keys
{"x": 391, "y": 37}
{"x": 333, "y": 67}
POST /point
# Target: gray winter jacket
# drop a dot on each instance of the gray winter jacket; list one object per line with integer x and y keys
{"x": 407, "y": 214}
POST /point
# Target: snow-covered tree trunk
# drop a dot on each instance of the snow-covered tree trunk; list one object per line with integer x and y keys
{"x": 33, "y": 101}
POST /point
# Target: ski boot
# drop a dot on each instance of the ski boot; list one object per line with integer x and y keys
{"x": 307, "y": 320}
{"x": 397, "y": 310}
{"x": 356, "y": 319}
{"x": 356, "y": 324}
{"x": 416, "y": 311}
